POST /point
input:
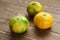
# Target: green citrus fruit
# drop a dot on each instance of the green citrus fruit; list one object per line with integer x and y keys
{"x": 19, "y": 24}
{"x": 34, "y": 7}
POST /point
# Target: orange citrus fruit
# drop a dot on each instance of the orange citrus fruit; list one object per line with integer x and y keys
{"x": 34, "y": 7}
{"x": 43, "y": 20}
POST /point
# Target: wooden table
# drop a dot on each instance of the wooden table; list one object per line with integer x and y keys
{"x": 11, "y": 8}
